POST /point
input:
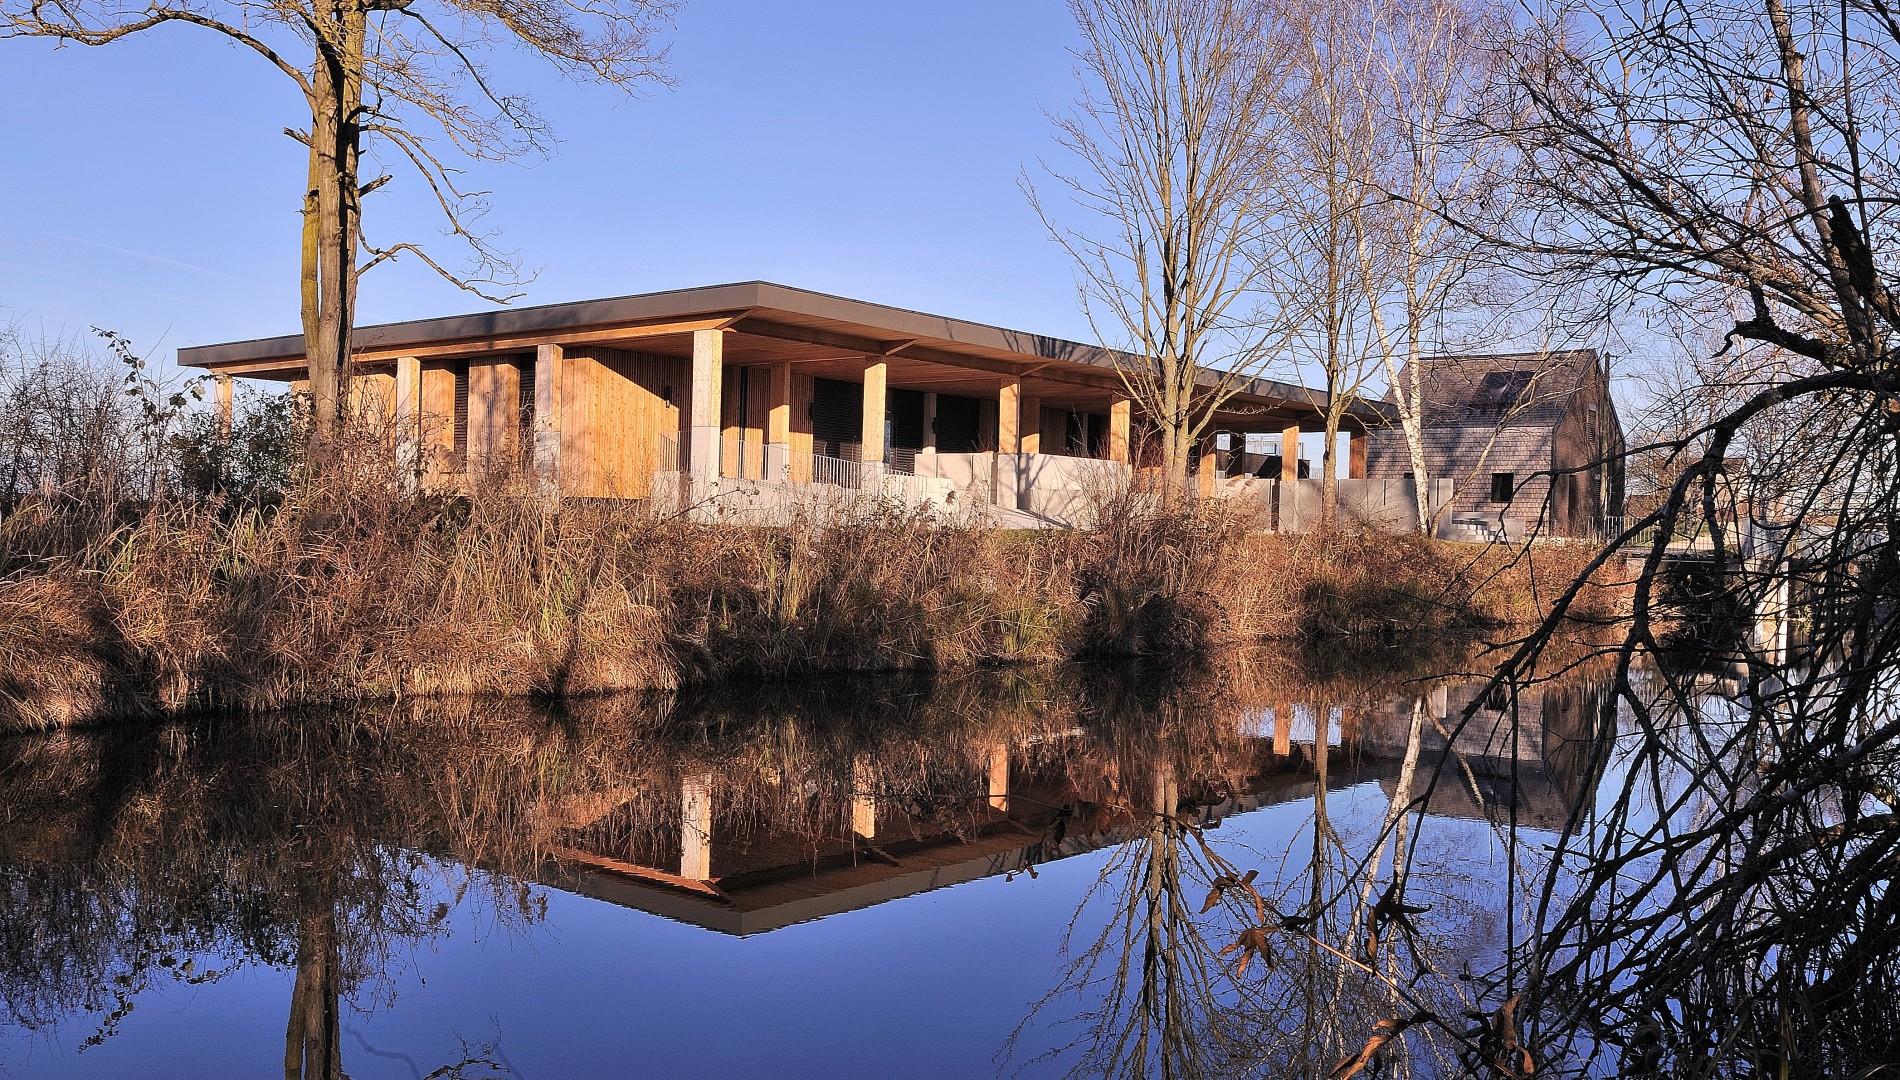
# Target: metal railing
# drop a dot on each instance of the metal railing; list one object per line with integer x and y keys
{"x": 669, "y": 453}
{"x": 837, "y": 472}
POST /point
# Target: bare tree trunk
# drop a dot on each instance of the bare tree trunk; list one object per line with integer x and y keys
{"x": 312, "y": 1045}
{"x": 330, "y": 242}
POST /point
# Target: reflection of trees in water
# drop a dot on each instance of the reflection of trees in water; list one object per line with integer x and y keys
{"x": 321, "y": 844}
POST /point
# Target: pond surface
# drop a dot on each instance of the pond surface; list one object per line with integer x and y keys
{"x": 1012, "y": 874}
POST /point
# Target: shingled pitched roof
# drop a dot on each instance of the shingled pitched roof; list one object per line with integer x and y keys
{"x": 1525, "y": 388}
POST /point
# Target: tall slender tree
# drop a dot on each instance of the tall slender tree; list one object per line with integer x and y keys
{"x": 402, "y": 74}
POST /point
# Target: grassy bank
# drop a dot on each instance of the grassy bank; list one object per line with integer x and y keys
{"x": 344, "y": 593}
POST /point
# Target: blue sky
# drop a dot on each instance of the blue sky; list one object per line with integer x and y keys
{"x": 861, "y": 147}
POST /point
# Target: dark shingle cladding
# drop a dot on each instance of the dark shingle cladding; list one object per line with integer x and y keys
{"x": 1518, "y": 388}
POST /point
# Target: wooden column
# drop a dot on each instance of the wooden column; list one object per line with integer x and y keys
{"x": 1030, "y": 438}
{"x": 930, "y": 422}
{"x": 409, "y": 420}
{"x": 778, "y": 426}
{"x": 1356, "y": 455}
{"x": 221, "y": 390}
{"x": 696, "y": 827}
{"x": 703, "y": 432}
{"x": 1290, "y": 453}
{"x": 1006, "y": 485}
{"x": 871, "y": 438}
{"x": 1120, "y": 413}
{"x": 1009, "y": 417}
{"x": 549, "y": 365}
{"x": 1204, "y": 468}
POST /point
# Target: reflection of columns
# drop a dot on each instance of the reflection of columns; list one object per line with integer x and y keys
{"x": 871, "y": 437}
{"x": 702, "y": 455}
{"x": 222, "y": 389}
{"x": 1030, "y": 434}
{"x": 1282, "y": 729}
{"x": 1348, "y": 725}
{"x": 1441, "y": 701}
{"x": 1356, "y": 455}
{"x": 778, "y": 426}
{"x": 999, "y": 777}
{"x": 863, "y": 798}
{"x": 696, "y": 827}
{"x": 1120, "y": 412}
{"x": 409, "y": 419}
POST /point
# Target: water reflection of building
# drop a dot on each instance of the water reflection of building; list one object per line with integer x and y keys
{"x": 1034, "y": 806}
{"x": 1486, "y": 765}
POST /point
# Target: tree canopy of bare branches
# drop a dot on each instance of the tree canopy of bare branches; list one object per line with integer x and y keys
{"x": 1173, "y": 166}
{"x": 408, "y": 77}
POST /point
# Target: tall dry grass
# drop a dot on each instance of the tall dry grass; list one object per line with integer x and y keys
{"x": 345, "y": 588}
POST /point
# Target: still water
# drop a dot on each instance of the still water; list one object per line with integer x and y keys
{"x": 1032, "y": 875}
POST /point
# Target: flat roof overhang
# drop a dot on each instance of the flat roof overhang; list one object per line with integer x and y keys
{"x": 822, "y": 335}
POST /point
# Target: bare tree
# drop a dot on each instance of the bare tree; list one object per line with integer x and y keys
{"x": 401, "y": 74}
{"x": 1730, "y": 910}
{"x": 1429, "y": 65}
{"x": 1173, "y": 137}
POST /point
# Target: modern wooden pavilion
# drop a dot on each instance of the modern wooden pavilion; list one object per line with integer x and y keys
{"x": 753, "y": 381}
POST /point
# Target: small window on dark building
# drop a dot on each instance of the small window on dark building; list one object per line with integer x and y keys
{"x": 1503, "y": 484}
{"x": 1590, "y": 423}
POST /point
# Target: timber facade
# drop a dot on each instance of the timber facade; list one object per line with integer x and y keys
{"x": 764, "y": 384}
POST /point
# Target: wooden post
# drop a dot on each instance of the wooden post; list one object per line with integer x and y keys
{"x": 222, "y": 391}
{"x": 549, "y": 360}
{"x": 1204, "y": 468}
{"x": 409, "y": 420}
{"x": 1120, "y": 412}
{"x": 703, "y": 411}
{"x": 1030, "y": 438}
{"x": 1290, "y": 453}
{"x": 871, "y": 437}
{"x": 1355, "y": 455}
{"x": 1009, "y": 418}
{"x": 696, "y": 827}
{"x": 930, "y": 422}
{"x": 778, "y": 426}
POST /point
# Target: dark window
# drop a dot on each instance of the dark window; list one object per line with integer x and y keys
{"x": 837, "y": 418}
{"x": 958, "y": 422}
{"x": 1500, "y": 390}
{"x": 1590, "y": 423}
{"x": 460, "y": 448}
{"x": 1503, "y": 485}
{"x": 524, "y": 414}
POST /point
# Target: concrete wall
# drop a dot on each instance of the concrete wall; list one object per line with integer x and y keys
{"x": 1386, "y": 504}
{"x": 1065, "y": 489}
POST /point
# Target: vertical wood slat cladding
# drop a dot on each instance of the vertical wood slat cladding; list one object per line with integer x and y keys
{"x": 613, "y": 414}
{"x": 373, "y": 396}
{"x": 802, "y": 390}
{"x": 494, "y": 401}
{"x": 750, "y": 387}
{"x": 438, "y": 423}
